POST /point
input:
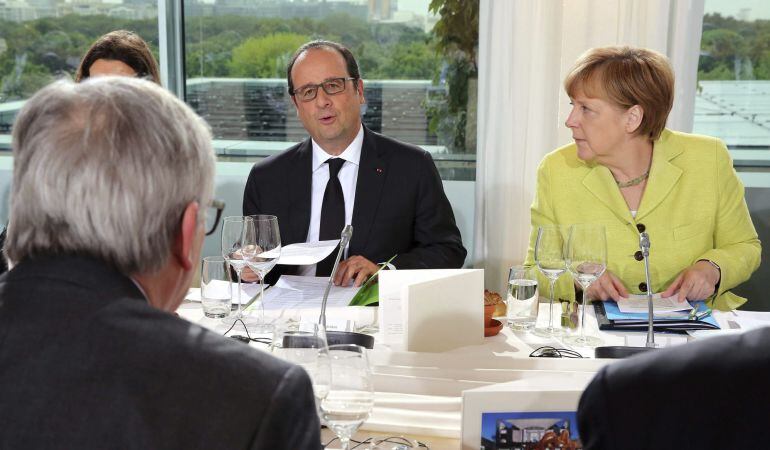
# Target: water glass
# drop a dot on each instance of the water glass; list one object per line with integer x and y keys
{"x": 215, "y": 287}
{"x": 351, "y": 394}
{"x": 305, "y": 344}
{"x": 522, "y": 299}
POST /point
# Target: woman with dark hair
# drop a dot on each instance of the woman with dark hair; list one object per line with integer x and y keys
{"x": 119, "y": 52}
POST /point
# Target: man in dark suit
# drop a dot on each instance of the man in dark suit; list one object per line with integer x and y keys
{"x": 344, "y": 173}
{"x": 112, "y": 179}
{"x": 710, "y": 394}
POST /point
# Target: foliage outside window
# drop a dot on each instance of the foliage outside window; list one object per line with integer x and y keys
{"x": 733, "y": 88}
{"x": 419, "y": 69}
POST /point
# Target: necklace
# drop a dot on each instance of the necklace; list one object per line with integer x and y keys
{"x": 634, "y": 182}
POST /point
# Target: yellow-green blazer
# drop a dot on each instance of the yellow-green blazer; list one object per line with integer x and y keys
{"x": 693, "y": 208}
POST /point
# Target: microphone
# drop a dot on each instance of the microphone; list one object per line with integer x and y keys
{"x": 347, "y": 233}
{"x": 619, "y": 351}
{"x": 342, "y": 337}
{"x": 644, "y": 246}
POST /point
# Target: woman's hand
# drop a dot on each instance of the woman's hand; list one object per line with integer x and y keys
{"x": 607, "y": 287}
{"x": 696, "y": 282}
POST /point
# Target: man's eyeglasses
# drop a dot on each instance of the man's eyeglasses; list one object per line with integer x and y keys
{"x": 332, "y": 86}
{"x": 211, "y": 225}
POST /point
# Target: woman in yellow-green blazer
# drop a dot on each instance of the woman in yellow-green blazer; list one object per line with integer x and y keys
{"x": 627, "y": 172}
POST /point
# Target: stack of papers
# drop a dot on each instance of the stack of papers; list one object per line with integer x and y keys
{"x": 662, "y": 307}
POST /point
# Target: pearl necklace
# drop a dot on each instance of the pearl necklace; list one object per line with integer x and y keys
{"x": 634, "y": 182}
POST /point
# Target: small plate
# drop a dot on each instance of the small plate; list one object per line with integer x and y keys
{"x": 493, "y": 329}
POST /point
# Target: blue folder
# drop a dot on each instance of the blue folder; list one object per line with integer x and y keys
{"x": 609, "y": 317}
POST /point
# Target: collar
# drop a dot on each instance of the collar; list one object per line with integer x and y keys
{"x": 139, "y": 286}
{"x": 351, "y": 154}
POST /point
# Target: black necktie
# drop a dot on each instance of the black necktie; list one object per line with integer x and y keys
{"x": 332, "y": 215}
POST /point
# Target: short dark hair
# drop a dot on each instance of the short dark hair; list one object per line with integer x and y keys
{"x": 350, "y": 60}
{"x": 124, "y": 46}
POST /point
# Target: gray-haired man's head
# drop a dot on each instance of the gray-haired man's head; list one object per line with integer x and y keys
{"x": 107, "y": 169}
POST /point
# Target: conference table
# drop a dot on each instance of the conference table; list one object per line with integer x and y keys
{"x": 419, "y": 395}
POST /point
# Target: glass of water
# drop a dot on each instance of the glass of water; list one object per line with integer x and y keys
{"x": 215, "y": 287}
{"x": 522, "y": 298}
{"x": 350, "y": 399}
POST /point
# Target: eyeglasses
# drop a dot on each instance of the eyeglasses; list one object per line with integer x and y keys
{"x": 332, "y": 86}
{"x": 211, "y": 226}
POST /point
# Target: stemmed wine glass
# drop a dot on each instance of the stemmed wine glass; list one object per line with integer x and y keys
{"x": 262, "y": 253}
{"x": 587, "y": 260}
{"x": 549, "y": 257}
{"x": 351, "y": 394}
{"x": 305, "y": 344}
{"x": 237, "y": 234}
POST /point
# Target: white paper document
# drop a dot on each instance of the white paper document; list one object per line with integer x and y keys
{"x": 638, "y": 304}
{"x": 220, "y": 289}
{"x": 296, "y": 292}
{"x": 306, "y": 253}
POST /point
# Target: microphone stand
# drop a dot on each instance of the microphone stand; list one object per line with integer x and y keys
{"x": 620, "y": 351}
{"x": 644, "y": 244}
{"x": 342, "y": 337}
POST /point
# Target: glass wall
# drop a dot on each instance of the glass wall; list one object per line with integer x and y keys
{"x": 733, "y": 103}
{"x": 419, "y": 71}
{"x": 44, "y": 40}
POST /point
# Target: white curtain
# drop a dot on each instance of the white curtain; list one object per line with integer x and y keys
{"x": 526, "y": 48}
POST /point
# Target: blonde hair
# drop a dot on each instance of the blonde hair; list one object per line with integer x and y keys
{"x": 627, "y": 76}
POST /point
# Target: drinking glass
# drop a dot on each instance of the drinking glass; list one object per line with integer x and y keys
{"x": 262, "y": 253}
{"x": 549, "y": 257}
{"x": 305, "y": 344}
{"x": 587, "y": 260}
{"x": 351, "y": 394}
{"x": 237, "y": 233}
{"x": 522, "y": 298}
{"x": 216, "y": 297}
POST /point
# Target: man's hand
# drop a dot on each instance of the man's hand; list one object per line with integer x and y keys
{"x": 696, "y": 282}
{"x": 355, "y": 268}
{"x": 607, "y": 287}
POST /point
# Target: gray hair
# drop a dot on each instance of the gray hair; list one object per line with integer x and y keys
{"x": 105, "y": 168}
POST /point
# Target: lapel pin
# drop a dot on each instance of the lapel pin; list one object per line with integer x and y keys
{"x": 378, "y": 170}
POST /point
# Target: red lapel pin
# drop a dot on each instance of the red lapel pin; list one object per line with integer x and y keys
{"x": 378, "y": 170}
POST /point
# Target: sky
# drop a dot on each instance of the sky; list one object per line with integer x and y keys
{"x": 758, "y": 9}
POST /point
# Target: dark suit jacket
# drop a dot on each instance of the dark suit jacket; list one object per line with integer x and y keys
{"x": 400, "y": 206}
{"x": 86, "y": 362}
{"x": 713, "y": 394}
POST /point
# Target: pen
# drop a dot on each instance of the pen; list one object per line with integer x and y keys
{"x": 703, "y": 315}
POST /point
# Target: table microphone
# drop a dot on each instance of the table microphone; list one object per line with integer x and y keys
{"x": 342, "y": 337}
{"x": 644, "y": 245}
{"x": 619, "y": 351}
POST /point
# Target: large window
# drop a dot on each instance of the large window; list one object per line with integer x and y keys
{"x": 733, "y": 97}
{"x": 733, "y": 103}
{"x": 419, "y": 77}
{"x": 43, "y": 40}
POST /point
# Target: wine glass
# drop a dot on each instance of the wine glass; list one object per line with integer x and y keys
{"x": 237, "y": 233}
{"x": 351, "y": 394}
{"x": 262, "y": 253}
{"x": 549, "y": 257}
{"x": 305, "y": 344}
{"x": 587, "y": 260}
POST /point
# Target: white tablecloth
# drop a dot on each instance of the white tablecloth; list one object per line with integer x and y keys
{"x": 420, "y": 394}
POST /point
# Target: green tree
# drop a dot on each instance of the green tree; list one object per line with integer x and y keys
{"x": 265, "y": 57}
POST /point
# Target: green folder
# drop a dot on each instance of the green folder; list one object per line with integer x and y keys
{"x": 369, "y": 294}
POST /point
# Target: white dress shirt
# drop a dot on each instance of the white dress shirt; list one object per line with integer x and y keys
{"x": 348, "y": 177}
